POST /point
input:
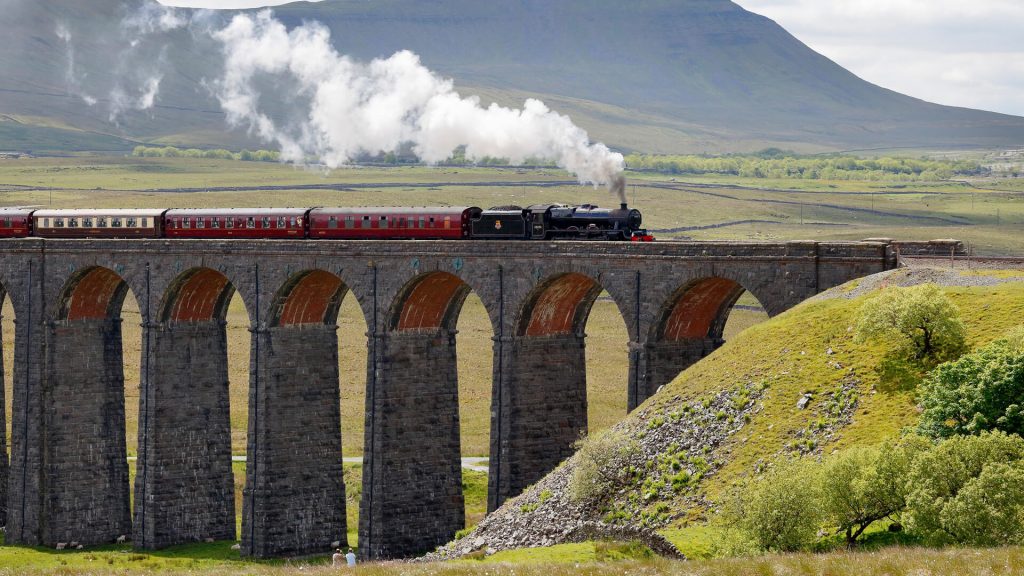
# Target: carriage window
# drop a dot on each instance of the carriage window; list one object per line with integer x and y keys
{"x": 200, "y": 222}
{"x": 131, "y": 222}
{"x": 187, "y": 223}
{"x": 58, "y": 223}
{"x": 401, "y": 223}
{"x": 115, "y": 223}
{"x": 101, "y": 222}
{"x": 250, "y": 223}
{"x": 266, "y": 222}
{"x": 282, "y": 222}
{"x": 349, "y": 222}
{"x": 383, "y": 221}
{"x": 431, "y": 221}
{"x": 229, "y": 223}
{"x": 332, "y": 222}
{"x": 7, "y": 222}
{"x": 86, "y": 222}
{"x": 366, "y": 222}
{"x": 145, "y": 222}
{"x": 214, "y": 222}
{"x": 46, "y": 222}
{"x": 72, "y": 222}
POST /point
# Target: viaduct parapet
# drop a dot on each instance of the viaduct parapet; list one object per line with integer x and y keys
{"x": 68, "y": 477}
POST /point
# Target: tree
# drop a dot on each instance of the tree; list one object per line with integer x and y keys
{"x": 944, "y": 490}
{"x": 779, "y": 511}
{"x": 989, "y": 510}
{"x": 920, "y": 320}
{"x": 980, "y": 391}
{"x": 602, "y": 466}
{"x": 861, "y": 486}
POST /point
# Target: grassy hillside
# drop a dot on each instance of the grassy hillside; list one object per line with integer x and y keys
{"x": 650, "y": 76}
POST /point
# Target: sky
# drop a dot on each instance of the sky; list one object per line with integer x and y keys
{"x": 957, "y": 52}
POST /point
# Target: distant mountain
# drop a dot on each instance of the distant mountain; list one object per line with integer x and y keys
{"x": 647, "y": 75}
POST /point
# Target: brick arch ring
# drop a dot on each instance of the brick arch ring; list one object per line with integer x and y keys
{"x": 431, "y": 301}
{"x": 197, "y": 295}
{"x": 93, "y": 293}
{"x": 559, "y": 306}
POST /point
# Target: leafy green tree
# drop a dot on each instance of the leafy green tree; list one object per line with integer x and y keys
{"x": 939, "y": 477}
{"x": 779, "y": 511}
{"x": 989, "y": 510}
{"x": 603, "y": 466}
{"x": 980, "y": 391}
{"x": 920, "y": 320}
{"x": 861, "y": 486}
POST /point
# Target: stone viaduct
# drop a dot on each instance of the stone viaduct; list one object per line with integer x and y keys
{"x": 68, "y": 478}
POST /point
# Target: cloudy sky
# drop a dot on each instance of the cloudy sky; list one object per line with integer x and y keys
{"x": 958, "y": 52}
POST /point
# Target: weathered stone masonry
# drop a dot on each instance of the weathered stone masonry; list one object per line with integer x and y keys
{"x": 67, "y": 478}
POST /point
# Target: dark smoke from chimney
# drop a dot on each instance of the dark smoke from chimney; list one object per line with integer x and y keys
{"x": 618, "y": 187}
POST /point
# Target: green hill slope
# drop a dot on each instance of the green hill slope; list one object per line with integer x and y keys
{"x": 653, "y": 76}
{"x": 736, "y": 412}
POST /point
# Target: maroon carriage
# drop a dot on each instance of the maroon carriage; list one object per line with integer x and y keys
{"x": 236, "y": 223}
{"x": 15, "y": 222}
{"x": 427, "y": 223}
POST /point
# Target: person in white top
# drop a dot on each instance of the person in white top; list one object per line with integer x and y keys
{"x": 350, "y": 558}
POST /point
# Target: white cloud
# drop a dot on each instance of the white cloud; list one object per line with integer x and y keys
{"x": 947, "y": 51}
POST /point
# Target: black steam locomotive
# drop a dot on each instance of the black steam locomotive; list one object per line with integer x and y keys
{"x": 559, "y": 221}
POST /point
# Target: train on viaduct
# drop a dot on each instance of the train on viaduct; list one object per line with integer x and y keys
{"x": 68, "y": 480}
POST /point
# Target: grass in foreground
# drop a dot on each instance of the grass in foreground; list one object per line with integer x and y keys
{"x": 217, "y": 559}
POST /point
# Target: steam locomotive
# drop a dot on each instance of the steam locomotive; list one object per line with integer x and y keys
{"x": 537, "y": 222}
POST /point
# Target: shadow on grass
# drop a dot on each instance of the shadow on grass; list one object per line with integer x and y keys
{"x": 897, "y": 374}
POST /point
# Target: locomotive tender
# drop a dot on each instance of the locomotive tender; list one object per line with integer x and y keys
{"x": 537, "y": 222}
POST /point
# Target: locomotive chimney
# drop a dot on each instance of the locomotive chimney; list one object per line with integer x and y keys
{"x": 618, "y": 187}
{"x": 624, "y": 206}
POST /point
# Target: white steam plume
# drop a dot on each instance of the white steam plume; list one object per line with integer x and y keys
{"x": 74, "y": 84}
{"x": 356, "y": 108}
{"x": 153, "y": 17}
{"x": 138, "y": 73}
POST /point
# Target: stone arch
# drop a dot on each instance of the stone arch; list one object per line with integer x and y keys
{"x": 196, "y": 295}
{"x": 689, "y": 326}
{"x": 429, "y": 302}
{"x": 88, "y": 497}
{"x": 310, "y": 297}
{"x": 186, "y": 449}
{"x": 94, "y": 293}
{"x": 559, "y": 306}
{"x": 698, "y": 309}
{"x": 295, "y": 498}
{"x": 541, "y": 389}
{"x": 413, "y": 434}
